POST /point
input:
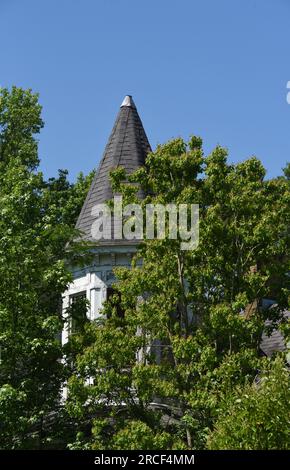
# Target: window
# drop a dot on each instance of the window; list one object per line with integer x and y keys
{"x": 114, "y": 298}
{"x": 77, "y": 311}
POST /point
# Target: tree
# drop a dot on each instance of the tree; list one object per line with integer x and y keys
{"x": 193, "y": 318}
{"x": 194, "y": 344}
{"x": 36, "y": 222}
{"x": 257, "y": 416}
{"x": 286, "y": 171}
{"x": 65, "y": 198}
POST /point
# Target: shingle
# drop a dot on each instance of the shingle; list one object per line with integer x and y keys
{"x": 127, "y": 147}
{"x": 275, "y": 342}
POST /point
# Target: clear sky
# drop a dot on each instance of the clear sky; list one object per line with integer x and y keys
{"x": 215, "y": 68}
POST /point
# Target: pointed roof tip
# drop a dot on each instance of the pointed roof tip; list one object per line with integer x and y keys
{"x": 128, "y": 101}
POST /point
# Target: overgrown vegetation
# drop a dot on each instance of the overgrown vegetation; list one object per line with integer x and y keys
{"x": 193, "y": 318}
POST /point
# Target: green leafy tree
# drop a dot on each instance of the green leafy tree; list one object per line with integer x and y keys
{"x": 257, "y": 416}
{"x": 66, "y": 198}
{"x": 36, "y": 222}
{"x": 286, "y": 171}
{"x": 194, "y": 319}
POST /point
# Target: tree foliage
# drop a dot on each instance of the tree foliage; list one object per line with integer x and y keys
{"x": 194, "y": 319}
{"x": 36, "y": 222}
{"x": 257, "y": 416}
{"x": 176, "y": 369}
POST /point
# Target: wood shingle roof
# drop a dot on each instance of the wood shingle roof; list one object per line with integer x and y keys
{"x": 127, "y": 147}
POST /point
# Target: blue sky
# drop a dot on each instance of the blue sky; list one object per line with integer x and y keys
{"x": 217, "y": 69}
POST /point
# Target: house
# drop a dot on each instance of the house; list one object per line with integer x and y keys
{"x": 127, "y": 147}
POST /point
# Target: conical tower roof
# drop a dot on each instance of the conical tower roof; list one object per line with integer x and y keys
{"x": 127, "y": 147}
